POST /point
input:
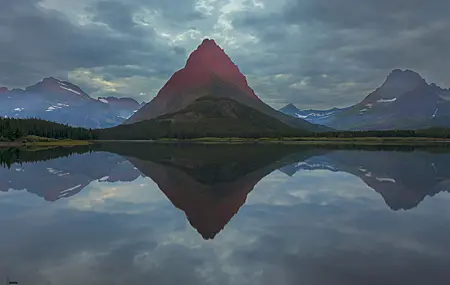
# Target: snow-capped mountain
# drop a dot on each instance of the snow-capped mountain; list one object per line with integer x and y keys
{"x": 313, "y": 116}
{"x": 63, "y": 102}
{"x": 404, "y": 101}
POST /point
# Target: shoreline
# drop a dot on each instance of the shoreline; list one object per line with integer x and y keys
{"x": 212, "y": 140}
{"x": 62, "y": 143}
{"x": 299, "y": 141}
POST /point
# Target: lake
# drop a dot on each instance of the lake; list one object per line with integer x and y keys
{"x": 140, "y": 213}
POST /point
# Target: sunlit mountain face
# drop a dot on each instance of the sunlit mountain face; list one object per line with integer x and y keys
{"x": 72, "y": 215}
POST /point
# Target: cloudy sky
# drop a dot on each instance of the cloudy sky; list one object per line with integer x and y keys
{"x": 314, "y": 53}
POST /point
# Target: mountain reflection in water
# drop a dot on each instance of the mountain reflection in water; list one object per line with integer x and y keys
{"x": 211, "y": 183}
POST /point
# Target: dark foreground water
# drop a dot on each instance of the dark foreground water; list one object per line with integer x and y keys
{"x": 168, "y": 214}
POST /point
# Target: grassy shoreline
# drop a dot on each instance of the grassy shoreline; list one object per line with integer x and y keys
{"x": 56, "y": 143}
{"x": 233, "y": 140}
{"x": 300, "y": 140}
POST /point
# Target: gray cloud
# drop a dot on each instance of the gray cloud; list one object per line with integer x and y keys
{"x": 330, "y": 53}
{"x": 354, "y": 43}
{"x": 41, "y": 42}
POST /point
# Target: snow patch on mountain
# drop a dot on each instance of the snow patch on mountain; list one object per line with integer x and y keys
{"x": 387, "y": 100}
{"x": 66, "y": 192}
{"x": 103, "y": 179}
{"x": 435, "y": 112}
{"x": 55, "y": 107}
{"x": 362, "y": 111}
{"x": 70, "y": 90}
{"x": 19, "y": 109}
{"x": 103, "y": 100}
{"x": 385, "y": 179}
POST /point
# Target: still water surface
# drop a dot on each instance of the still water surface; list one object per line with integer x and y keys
{"x": 170, "y": 214}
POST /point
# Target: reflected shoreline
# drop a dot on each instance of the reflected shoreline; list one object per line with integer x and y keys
{"x": 210, "y": 183}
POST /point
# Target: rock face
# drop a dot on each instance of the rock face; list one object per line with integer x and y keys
{"x": 209, "y": 72}
{"x": 404, "y": 101}
{"x": 64, "y": 102}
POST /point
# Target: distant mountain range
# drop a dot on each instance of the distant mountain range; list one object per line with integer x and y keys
{"x": 321, "y": 117}
{"x": 210, "y": 95}
{"x": 404, "y": 101}
{"x": 63, "y": 102}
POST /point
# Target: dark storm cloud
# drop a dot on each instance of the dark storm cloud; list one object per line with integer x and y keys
{"x": 335, "y": 52}
{"x": 36, "y": 42}
{"x": 355, "y": 43}
{"x": 116, "y": 15}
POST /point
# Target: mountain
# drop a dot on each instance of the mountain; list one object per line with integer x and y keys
{"x": 63, "y": 102}
{"x": 205, "y": 117}
{"x": 404, "y": 101}
{"x": 126, "y": 107}
{"x": 320, "y": 117}
{"x": 209, "y": 72}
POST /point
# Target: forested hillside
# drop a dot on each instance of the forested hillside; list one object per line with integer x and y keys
{"x": 13, "y": 129}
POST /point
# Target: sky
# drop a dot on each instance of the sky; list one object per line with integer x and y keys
{"x": 313, "y": 53}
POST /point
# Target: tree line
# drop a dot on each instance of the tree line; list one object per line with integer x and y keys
{"x": 428, "y": 133}
{"x": 13, "y": 129}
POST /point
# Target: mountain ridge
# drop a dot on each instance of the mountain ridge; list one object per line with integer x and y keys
{"x": 63, "y": 102}
{"x": 403, "y": 101}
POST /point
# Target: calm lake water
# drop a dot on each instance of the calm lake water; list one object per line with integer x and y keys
{"x": 173, "y": 214}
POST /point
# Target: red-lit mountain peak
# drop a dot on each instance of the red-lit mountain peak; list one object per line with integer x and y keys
{"x": 208, "y": 71}
{"x": 208, "y": 55}
{"x": 207, "y": 61}
{"x": 3, "y": 90}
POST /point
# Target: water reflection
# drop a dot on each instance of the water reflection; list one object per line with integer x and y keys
{"x": 311, "y": 211}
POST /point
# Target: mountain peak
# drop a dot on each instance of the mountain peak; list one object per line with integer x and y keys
{"x": 3, "y": 90}
{"x": 208, "y": 55}
{"x": 206, "y": 67}
{"x": 405, "y": 77}
{"x": 289, "y": 109}
{"x": 56, "y": 86}
{"x": 50, "y": 79}
{"x": 209, "y": 42}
